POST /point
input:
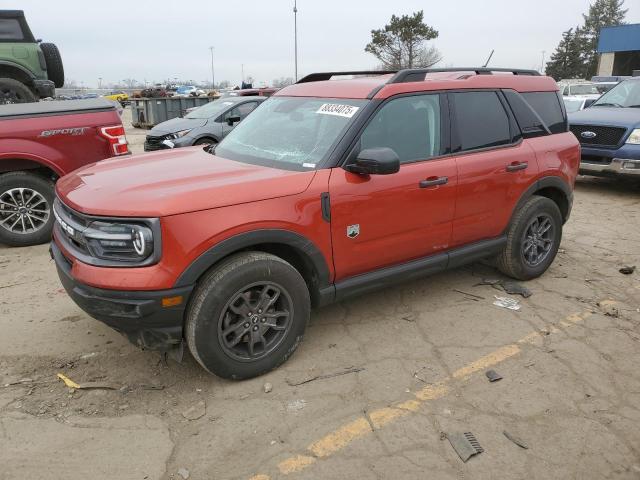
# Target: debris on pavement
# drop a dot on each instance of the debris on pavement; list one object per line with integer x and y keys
{"x": 513, "y": 288}
{"x": 196, "y": 411}
{"x": 515, "y": 440}
{"x": 627, "y": 270}
{"x": 609, "y": 308}
{"x": 493, "y": 376}
{"x": 323, "y": 377}
{"x": 465, "y": 444}
{"x": 470, "y": 295}
{"x": 184, "y": 473}
{"x": 295, "y": 405}
{"x": 267, "y": 387}
{"x": 86, "y": 385}
{"x": 505, "y": 302}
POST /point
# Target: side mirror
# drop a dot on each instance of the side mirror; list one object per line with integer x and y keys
{"x": 375, "y": 161}
{"x": 232, "y": 120}
{"x": 589, "y": 101}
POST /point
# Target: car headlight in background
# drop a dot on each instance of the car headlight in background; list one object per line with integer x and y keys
{"x": 119, "y": 241}
{"x": 179, "y": 134}
{"x": 634, "y": 138}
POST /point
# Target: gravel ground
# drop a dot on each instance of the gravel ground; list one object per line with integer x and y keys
{"x": 397, "y": 370}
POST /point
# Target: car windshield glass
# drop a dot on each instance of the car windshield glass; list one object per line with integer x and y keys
{"x": 290, "y": 132}
{"x": 572, "y": 104}
{"x": 209, "y": 110}
{"x": 584, "y": 89}
{"x": 625, "y": 94}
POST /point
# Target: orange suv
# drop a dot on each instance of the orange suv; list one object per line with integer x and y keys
{"x": 331, "y": 188}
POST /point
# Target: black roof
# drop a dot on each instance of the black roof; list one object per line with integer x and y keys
{"x": 55, "y": 107}
{"x": 11, "y": 13}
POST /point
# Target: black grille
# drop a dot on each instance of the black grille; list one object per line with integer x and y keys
{"x": 154, "y": 143}
{"x": 604, "y": 136}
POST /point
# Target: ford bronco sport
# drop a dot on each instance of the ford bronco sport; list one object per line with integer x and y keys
{"x": 330, "y": 188}
{"x": 28, "y": 69}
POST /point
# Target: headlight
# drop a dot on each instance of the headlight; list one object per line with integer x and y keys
{"x": 180, "y": 134}
{"x": 119, "y": 241}
{"x": 634, "y": 138}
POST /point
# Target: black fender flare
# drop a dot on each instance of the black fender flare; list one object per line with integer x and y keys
{"x": 247, "y": 240}
{"x": 551, "y": 181}
{"x": 25, "y": 71}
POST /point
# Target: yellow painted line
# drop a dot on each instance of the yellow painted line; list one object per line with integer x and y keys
{"x": 362, "y": 426}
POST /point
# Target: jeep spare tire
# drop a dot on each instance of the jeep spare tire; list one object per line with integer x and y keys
{"x": 55, "y": 70}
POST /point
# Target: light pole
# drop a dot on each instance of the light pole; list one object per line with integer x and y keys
{"x": 542, "y": 64}
{"x": 100, "y": 82}
{"x": 213, "y": 78}
{"x": 295, "y": 35}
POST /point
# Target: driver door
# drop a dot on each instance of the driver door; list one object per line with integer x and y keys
{"x": 382, "y": 220}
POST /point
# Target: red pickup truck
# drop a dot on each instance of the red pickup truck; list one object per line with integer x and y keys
{"x": 40, "y": 142}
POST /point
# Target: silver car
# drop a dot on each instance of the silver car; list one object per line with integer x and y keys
{"x": 204, "y": 125}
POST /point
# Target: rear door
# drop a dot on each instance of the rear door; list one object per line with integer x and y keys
{"x": 381, "y": 220}
{"x": 494, "y": 165}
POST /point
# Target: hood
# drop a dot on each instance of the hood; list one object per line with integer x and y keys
{"x": 170, "y": 182}
{"x": 177, "y": 124}
{"x": 608, "y": 116}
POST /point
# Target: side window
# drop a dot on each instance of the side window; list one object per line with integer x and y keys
{"x": 246, "y": 108}
{"x": 547, "y": 105}
{"x": 10, "y": 30}
{"x": 410, "y": 126}
{"x": 481, "y": 119}
{"x": 232, "y": 113}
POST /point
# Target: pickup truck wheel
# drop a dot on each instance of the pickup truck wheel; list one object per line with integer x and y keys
{"x": 533, "y": 239}
{"x": 247, "y": 315}
{"x": 25, "y": 209}
{"x": 13, "y": 91}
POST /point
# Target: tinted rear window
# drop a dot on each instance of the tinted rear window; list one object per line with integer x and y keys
{"x": 482, "y": 120}
{"x": 10, "y": 30}
{"x": 547, "y": 105}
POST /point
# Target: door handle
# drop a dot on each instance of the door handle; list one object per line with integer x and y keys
{"x": 433, "y": 181}
{"x": 516, "y": 166}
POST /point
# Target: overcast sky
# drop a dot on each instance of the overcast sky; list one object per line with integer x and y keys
{"x": 156, "y": 40}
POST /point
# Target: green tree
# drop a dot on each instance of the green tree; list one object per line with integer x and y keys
{"x": 602, "y": 13}
{"x": 401, "y": 43}
{"x": 566, "y": 61}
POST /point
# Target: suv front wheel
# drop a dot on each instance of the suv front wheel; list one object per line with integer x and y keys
{"x": 247, "y": 315}
{"x": 533, "y": 239}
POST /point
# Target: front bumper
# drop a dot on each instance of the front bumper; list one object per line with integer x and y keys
{"x": 138, "y": 314}
{"x": 624, "y": 161}
{"x": 152, "y": 143}
{"x": 45, "y": 88}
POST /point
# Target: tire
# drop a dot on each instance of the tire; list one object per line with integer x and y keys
{"x": 205, "y": 141}
{"x": 216, "y": 313}
{"x": 13, "y": 91}
{"x": 55, "y": 69}
{"x": 24, "y": 188}
{"x": 516, "y": 259}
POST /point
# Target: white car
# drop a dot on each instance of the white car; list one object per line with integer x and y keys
{"x": 579, "y": 88}
{"x": 576, "y": 103}
{"x": 188, "y": 91}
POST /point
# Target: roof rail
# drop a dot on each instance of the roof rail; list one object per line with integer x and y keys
{"x": 320, "y": 76}
{"x": 418, "y": 74}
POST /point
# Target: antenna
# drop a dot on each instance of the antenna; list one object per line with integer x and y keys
{"x": 488, "y": 59}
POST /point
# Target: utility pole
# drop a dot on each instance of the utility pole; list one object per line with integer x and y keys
{"x": 242, "y": 73}
{"x": 100, "y": 82}
{"x": 542, "y": 64}
{"x": 295, "y": 35}
{"x": 213, "y": 78}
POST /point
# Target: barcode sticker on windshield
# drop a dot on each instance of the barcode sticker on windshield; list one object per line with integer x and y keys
{"x": 347, "y": 111}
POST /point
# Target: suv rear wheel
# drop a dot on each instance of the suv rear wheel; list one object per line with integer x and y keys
{"x": 25, "y": 209}
{"x": 247, "y": 315}
{"x": 533, "y": 239}
{"x": 13, "y": 91}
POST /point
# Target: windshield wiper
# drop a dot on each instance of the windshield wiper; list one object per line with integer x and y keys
{"x": 612, "y": 104}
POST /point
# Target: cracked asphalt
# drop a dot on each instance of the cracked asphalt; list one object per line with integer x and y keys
{"x": 397, "y": 371}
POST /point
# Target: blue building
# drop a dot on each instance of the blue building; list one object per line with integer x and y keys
{"x": 619, "y": 49}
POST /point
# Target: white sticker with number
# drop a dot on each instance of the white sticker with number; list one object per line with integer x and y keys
{"x": 346, "y": 111}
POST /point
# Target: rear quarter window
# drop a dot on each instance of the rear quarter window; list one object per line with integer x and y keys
{"x": 10, "y": 30}
{"x": 547, "y": 105}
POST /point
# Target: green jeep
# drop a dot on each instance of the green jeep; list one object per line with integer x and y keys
{"x": 29, "y": 69}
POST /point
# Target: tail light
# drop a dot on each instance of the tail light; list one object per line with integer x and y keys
{"x": 116, "y": 138}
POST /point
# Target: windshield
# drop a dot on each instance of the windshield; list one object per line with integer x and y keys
{"x": 212, "y": 109}
{"x": 572, "y": 104}
{"x": 290, "y": 132}
{"x": 583, "y": 89}
{"x": 625, "y": 94}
